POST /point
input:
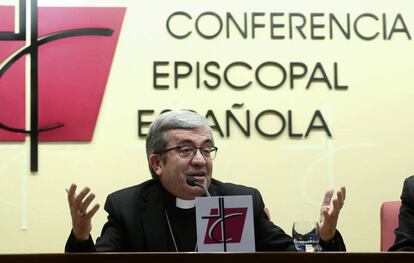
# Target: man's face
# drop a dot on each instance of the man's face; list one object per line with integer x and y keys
{"x": 174, "y": 169}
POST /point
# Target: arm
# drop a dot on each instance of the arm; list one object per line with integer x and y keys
{"x": 74, "y": 245}
{"x": 111, "y": 238}
{"x": 269, "y": 237}
{"x": 80, "y": 239}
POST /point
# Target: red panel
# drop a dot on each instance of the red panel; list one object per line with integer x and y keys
{"x": 12, "y": 83}
{"x": 6, "y": 18}
{"x": 73, "y": 72}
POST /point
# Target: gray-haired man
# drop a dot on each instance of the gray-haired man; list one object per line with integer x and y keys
{"x": 159, "y": 214}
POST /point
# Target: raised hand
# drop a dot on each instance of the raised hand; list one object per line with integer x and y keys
{"x": 330, "y": 212}
{"x": 81, "y": 216}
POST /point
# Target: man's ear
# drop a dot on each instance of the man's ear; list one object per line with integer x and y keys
{"x": 156, "y": 164}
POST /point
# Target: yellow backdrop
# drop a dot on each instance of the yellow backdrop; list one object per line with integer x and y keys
{"x": 371, "y": 121}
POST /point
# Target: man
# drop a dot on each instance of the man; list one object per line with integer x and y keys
{"x": 159, "y": 214}
{"x": 404, "y": 234}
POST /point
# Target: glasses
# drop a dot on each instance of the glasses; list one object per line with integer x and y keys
{"x": 187, "y": 151}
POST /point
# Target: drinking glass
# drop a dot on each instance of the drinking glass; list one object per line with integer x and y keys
{"x": 306, "y": 236}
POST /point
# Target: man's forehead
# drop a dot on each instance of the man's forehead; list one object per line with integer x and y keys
{"x": 192, "y": 135}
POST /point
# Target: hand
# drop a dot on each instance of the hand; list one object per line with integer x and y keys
{"x": 81, "y": 218}
{"x": 330, "y": 213}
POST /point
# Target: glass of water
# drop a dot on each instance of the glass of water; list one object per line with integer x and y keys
{"x": 306, "y": 236}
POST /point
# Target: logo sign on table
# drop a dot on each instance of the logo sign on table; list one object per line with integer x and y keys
{"x": 225, "y": 223}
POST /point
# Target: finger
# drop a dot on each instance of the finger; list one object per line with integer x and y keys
{"x": 343, "y": 190}
{"x": 324, "y": 213}
{"x": 335, "y": 207}
{"x": 71, "y": 194}
{"x": 340, "y": 197}
{"x": 328, "y": 197}
{"x": 92, "y": 212}
{"x": 79, "y": 198}
{"x": 85, "y": 204}
{"x": 329, "y": 220}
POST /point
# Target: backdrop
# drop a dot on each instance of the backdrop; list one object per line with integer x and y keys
{"x": 302, "y": 95}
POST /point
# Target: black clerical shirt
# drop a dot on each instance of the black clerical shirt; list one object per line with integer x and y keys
{"x": 183, "y": 224}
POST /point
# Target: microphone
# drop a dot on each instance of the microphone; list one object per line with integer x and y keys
{"x": 191, "y": 180}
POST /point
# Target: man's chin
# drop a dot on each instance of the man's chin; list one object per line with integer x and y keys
{"x": 196, "y": 192}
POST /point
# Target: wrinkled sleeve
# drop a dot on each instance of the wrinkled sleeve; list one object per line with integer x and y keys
{"x": 73, "y": 245}
{"x": 336, "y": 244}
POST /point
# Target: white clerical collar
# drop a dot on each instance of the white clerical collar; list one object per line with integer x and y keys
{"x": 184, "y": 204}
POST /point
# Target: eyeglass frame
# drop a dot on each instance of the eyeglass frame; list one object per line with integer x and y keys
{"x": 194, "y": 152}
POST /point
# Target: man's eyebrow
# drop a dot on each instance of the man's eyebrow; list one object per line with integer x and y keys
{"x": 186, "y": 141}
{"x": 208, "y": 141}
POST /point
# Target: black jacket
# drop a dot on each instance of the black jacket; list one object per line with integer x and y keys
{"x": 405, "y": 232}
{"x": 136, "y": 222}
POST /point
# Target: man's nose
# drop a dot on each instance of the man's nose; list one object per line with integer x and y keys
{"x": 198, "y": 158}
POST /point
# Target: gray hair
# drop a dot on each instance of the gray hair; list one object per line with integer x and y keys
{"x": 157, "y": 140}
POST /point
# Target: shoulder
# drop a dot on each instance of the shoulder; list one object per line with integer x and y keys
{"x": 220, "y": 188}
{"x": 408, "y": 189}
{"x": 134, "y": 192}
{"x": 409, "y": 182}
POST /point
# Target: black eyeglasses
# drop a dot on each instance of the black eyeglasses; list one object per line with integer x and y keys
{"x": 188, "y": 151}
